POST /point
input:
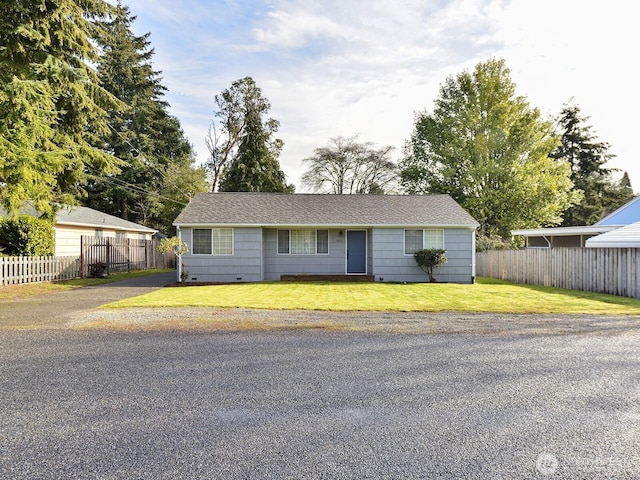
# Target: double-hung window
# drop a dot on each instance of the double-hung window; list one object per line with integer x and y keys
{"x": 303, "y": 242}
{"x": 212, "y": 241}
{"x": 417, "y": 239}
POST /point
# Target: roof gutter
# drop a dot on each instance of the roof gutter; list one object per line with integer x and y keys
{"x": 314, "y": 225}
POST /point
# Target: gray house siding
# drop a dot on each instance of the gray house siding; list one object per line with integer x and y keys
{"x": 256, "y": 217}
{"x": 390, "y": 264}
{"x": 276, "y": 264}
{"x": 370, "y": 250}
{"x": 244, "y": 265}
{"x": 255, "y": 257}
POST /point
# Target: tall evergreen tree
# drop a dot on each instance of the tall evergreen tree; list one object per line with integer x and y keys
{"x": 588, "y": 158}
{"x": 145, "y": 135}
{"x": 255, "y": 166}
{"x": 48, "y": 95}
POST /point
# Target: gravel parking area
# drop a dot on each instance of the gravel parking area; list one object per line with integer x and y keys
{"x": 199, "y": 393}
{"x": 317, "y": 405}
{"x": 51, "y": 311}
{"x": 211, "y": 319}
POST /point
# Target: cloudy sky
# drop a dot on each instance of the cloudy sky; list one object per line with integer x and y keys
{"x": 364, "y": 67}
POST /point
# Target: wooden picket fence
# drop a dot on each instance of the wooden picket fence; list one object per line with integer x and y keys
{"x": 615, "y": 271}
{"x": 110, "y": 254}
{"x": 14, "y": 270}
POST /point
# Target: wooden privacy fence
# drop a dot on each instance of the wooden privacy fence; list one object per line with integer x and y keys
{"x": 615, "y": 271}
{"x": 121, "y": 255}
{"x": 15, "y": 270}
{"x": 109, "y": 254}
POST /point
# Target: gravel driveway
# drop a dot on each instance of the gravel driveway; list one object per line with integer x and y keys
{"x": 52, "y": 310}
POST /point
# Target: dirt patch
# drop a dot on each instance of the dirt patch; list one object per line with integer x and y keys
{"x": 211, "y": 319}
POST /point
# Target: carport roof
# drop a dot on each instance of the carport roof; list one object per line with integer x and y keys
{"x": 624, "y": 237}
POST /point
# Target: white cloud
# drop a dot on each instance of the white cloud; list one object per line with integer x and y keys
{"x": 296, "y": 29}
{"x": 559, "y": 50}
{"x": 340, "y": 68}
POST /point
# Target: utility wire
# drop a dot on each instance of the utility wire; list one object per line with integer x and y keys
{"x": 148, "y": 163}
{"x": 133, "y": 188}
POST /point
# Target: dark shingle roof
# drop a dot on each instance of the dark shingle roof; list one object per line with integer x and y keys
{"x": 274, "y": 209}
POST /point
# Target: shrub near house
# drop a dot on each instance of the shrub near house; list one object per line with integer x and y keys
{"x": 430, "y": 258}
{"x": 26, "y": 235}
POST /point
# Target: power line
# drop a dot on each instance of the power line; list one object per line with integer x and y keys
{"x": 133, "y": 188}
{"x": 148, "y": 163}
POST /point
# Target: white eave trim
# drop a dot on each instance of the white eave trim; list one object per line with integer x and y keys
{"x": 566, "y": 231}
{"x": 106, "y": 225}
{"x": 613, "y": 244}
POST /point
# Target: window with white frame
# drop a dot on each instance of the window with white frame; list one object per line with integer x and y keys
{"x": 416, "y": 239}
{"x": 222, "y": 241}
{"x": 283, "y": 241}
{"x": 212, "y": 241}
{"x": 303, "y": 242}
{"x": 322, "y": 242}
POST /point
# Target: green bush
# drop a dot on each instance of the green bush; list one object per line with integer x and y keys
{"x": 485, "y": 243}
{"x": 429, "y": 258}
{"x": 26, "y": 236}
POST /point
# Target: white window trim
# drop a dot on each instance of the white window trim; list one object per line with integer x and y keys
{"x": 233, "y": 232}
{"x": 303, "y": 254}
{"x": 404, "y": 238}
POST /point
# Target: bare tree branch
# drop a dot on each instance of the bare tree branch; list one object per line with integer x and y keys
{"x": 346, "y": 166}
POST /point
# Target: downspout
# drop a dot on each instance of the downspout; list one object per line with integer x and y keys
{"x": 473, "y": 256}
{"x": 178, "y": 257}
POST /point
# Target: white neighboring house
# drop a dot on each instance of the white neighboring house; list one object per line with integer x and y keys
{"x": 74, "y": 222}
{"x": 620, "y": 229}
{"x": 623, "y": 237}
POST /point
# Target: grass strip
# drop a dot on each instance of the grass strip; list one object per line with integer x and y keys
{"x": 487, "y": 295}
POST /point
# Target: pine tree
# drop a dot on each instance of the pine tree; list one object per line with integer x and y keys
{"x": 145, "y": 134}
{"x": 588, "y": 158}
{"x": 255, "y": 167}
{"x": 48, "y": 96}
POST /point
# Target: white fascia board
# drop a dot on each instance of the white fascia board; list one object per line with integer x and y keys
{"x": 613, "y": 244}
{"x": 566, "y": 231}
{"x": 105, "y": 225}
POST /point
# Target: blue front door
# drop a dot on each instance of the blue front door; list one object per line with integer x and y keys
{"x": 357, "y": 251}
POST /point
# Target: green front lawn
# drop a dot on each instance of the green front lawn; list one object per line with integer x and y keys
{"x": 487, "y": 295}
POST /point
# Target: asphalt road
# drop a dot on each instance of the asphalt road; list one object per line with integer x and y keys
{"x": 314, "y": 404}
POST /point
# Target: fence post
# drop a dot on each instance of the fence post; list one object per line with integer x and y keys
{"x": 128, "y": 254}
{"x": 82, "y": 253}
